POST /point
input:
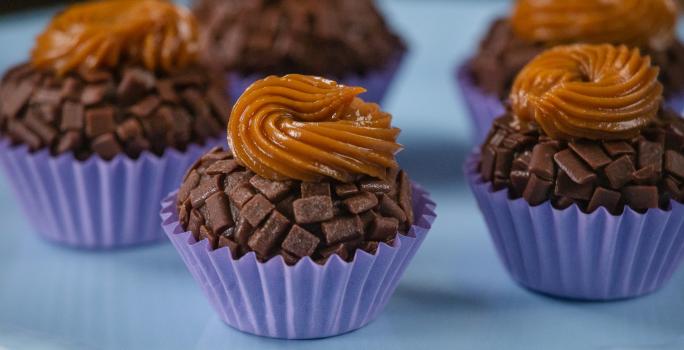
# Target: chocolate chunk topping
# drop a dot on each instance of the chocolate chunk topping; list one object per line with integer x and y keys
{"x": 228, "y": 205}
{"x": 644, "y": 172}
{"x": 107, "y": 112}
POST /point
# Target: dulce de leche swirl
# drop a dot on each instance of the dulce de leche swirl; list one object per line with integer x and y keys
{"x": 306, "y": 128}
{"x": 639, "y": 23}
{"x": 155, "y": 33}
{"x": 602, "y": 92}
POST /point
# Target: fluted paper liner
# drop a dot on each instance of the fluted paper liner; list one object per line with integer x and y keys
{"x": 306, "y": 300}
{"x": 572, "y": 254}
{"x": 95, "y": 204}
{"x": 376, "y": 82}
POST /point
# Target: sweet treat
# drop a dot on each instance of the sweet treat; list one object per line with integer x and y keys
{"x": 308, "y": 217}
{"x": 110, "y": 78}
{"x": 105, "y": 117}
{"x": 313, "y": 175}
{"x": 536, "y": 25}
{"x": 347, "y": 40}
{"x": 585, "y": 156}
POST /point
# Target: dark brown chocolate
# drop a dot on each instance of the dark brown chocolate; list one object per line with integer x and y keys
{"x": 230, "y": 206}
{"x": 110, "y": 112}
{"x": 642, "y": 173}
{"x": 502, "y": 55}
{"x": 331, "y": 38}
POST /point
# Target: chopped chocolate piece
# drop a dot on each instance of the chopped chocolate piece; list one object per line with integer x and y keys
{"x": 389, "y": 207}
{"x": 106, "y": 146}
{"x": 273, "y": 190}
{"x": 606, "y": 198}
{"x": 145, "y": 106}
{"x": 241, "y": 194}
{"x": 342, "y": 229}
{"x": 243, "y": 230}
{"x": 619, "y": 172}
{"x": 541, "y": 163}
{"x": 567, "y": 188}
{"x": 70, "y": 141}
{"x": 233, "y": 247}
{"x": 522, "y": 162}
{"x": 562, "y": 202}
{"x": 20, "y": 133}
{"x": 618, "y": 148}
{"x": 94, "y": 94}
{"x": 487, "y": 163}
{"x": 574, "y": 167}
{"x": 219, "y": 103}
{"x": 300, "y": 242}
{"x": 134, "y": 83}
{"x": 312, "y": 209}
{"x": 237, "y": 178}
{"x": 674, "y": 188}
{"x": 99, "y": 121}
{"x": 203, "y": 190}
{"x": 344, "y": 190}
{"x": 361, "y": 202}
{"x": 340, "y": 250}
{"x": 129, "y": 130}
{"x": 591, "y": 153}
{"x": 674, "y": 163}
{"x": 285, "y": 206}
{"x": 641, "y": 197}
{"x": 370, "y": 246}
{"x": 502, "y": 166}
{"x": 537, "y": 190}
{"x": 405, "y": 196}
{"x": 225, "y": 166}
{"x": 72, "y": 116}
{"x": 16, "y": 98}
{"x": 289, "y": 258}
{"x": 266, "y": 238}
{"x": 190, "y": 182}
{"x": 167, "y": 91}
{"x": 218, "y": 212}
{"x": 46, "y": 132}
{"x": 646, "y": 176}
{"x": 256, "y": 209}
{"x": 195, "y": 222}
{"x": 47, "y": 96}
{"x": 383, "y": 228}
{"x": 375, "y": 186}
{"x": 519, "y": 181}
{"x": 310, "y": 189}
{"x": 204, "y": 233}
{"x": 650, "y": 153}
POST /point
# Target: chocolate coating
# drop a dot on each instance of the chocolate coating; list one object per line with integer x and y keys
{"x": 502, "y": 54}
{"x": 643, "y": 172}
{"x": 124, "y": 110}
{"x": 330, "y": 38}
{"x": 232, "y": 207}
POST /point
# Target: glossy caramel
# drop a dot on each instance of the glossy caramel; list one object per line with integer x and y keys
{"x": 307, "y": 128}
{"x": 602, "y": 92}
{"x": 154, "y": 33}
{"x": 641, "y": 23}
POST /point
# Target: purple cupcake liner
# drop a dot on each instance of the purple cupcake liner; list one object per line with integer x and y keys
{"x": 95, "y": 204}
{"x": 676, "y": 102}
{"x": 376, "y": 82}
{"x": 571, "y": 254}
{"x": 306, "y": 300}
{"x": 483, "y": 107}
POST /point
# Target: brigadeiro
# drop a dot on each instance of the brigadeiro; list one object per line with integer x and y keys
{"x": 581, "y": 182}
{"x": 347, "y": 40}
{"x": 305, "y": 228}
{"x": 104, "y": 118}
{"x": 535, "y": 25}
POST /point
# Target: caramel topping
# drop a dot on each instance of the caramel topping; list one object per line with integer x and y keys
{"x": 602, "y": 92}
{"x": 305, "y": 128}
{"x": 155, "y": 33}
{"x": 639, "y": 23}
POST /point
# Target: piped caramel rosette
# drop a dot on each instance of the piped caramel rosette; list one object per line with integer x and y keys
{"x": 306, "y": 128}
{"x": 600, "y": 92}
{"x": 639, "y": 23}
{"x": 154, "y": 33}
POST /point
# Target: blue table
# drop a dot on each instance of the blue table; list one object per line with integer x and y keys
{"x": 454, "y": 295}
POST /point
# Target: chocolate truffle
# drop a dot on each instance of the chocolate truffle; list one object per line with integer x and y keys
{"x": 331, "y": 38}
{"x": 68, "y": 99}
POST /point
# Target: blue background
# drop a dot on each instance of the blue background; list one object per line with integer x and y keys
{"x": 455, "y": 294}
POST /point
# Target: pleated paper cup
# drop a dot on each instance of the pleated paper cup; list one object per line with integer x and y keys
{"x": 675, "y": 101}
{"x": 376, "y": 82}
{"x": 95, "y": 204}
{"x": 306, "y": 300}
{"x": 571, "y": 254}
{"x": 483, "y": 107}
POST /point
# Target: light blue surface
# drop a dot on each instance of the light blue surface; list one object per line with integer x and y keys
{"x": 454, "y": 295}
